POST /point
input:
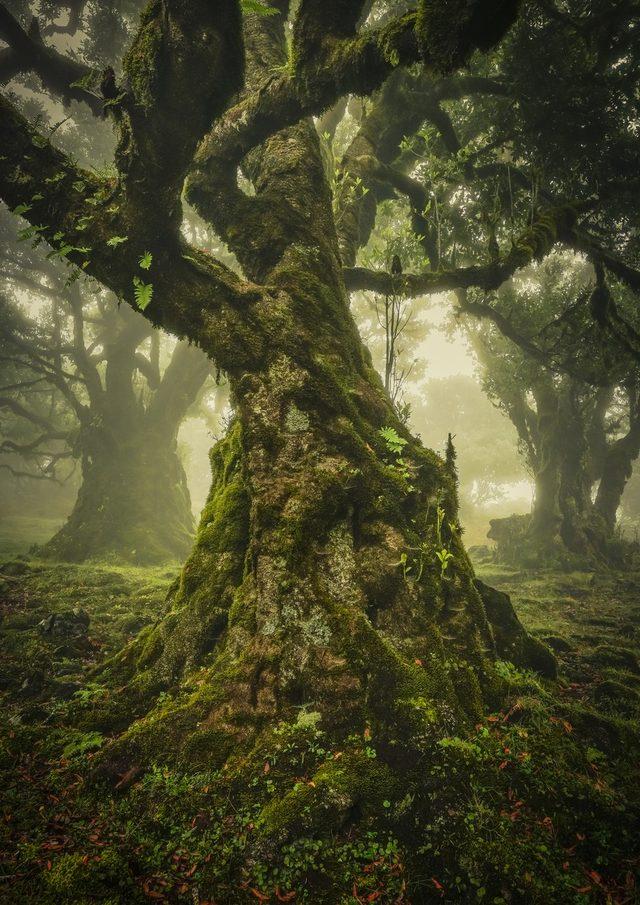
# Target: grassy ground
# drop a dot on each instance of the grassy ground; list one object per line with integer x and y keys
{"x": 551, "y": 780}
{"x": 18, "y": 533}
{"x": 591, "y": 621}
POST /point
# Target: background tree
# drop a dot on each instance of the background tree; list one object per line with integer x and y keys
{"x": 571, "y": 431}
{"x": 92, "y": 381}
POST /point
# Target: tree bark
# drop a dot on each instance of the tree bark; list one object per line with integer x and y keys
{"x": 545, "y": 514}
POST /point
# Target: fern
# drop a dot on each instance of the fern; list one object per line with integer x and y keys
{"x": 146, "y": 260}
{"x": 21, "y": 210}
{"x": 394, "y": 442}
{"x": 114, "y": 241}
{"x": 143, "y": 293}
{"x": 81, "y": 742}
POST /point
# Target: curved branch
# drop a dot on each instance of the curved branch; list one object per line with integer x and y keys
{"x": 190, "y": 288}
{"x": 551, "y": 226}
{"x": 181, "y": 381}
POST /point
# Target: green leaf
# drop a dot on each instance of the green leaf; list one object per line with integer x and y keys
{"x": 86, "y": 82}
{"x": 81, "y": 742}
{"x": 114, "y": 101}
{"x": 143, "y": 293}
{"x": 258, "y": 7}
{"x": 114, "y": 241}
{"x": 30, "y": 232}
{"x": 395, "y": 443}
{"x": 146, "y": 260}
{"x": 21, "y": 209}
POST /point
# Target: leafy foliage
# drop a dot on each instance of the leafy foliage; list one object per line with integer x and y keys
{"x": 143, "y": 293}
{"x": 394, "y": 442}
{"x": 146, "y": 260}
{"x": 258, "y": 7}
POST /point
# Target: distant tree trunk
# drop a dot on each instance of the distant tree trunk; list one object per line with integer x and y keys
{"x": 617, "y": 464}
{"x": 579, "y": 529}
{"x": 545, "y": 462}
{"x": 134, "y": 500}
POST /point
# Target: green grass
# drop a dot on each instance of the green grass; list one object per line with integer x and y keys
{"x": 18, "y": 533}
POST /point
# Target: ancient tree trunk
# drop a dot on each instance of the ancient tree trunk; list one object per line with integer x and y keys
{"x": 328, "y": 585}
{"x": 317, "y": 579}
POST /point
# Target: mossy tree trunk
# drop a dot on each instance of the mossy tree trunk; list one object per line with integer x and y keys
{"x": 317, "y": 583}
{"x": 545, "y": 461}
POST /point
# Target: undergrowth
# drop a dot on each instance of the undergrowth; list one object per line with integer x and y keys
{"x": 537, "y": 803}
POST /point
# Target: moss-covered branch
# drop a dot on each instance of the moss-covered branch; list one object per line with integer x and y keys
{"x": 72, "y": 210}
{"x": 551, "y": 226}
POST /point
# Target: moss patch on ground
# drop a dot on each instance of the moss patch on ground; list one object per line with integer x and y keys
{"x": 539, "y": 802}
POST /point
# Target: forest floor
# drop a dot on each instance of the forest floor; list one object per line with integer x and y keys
{"x": 592, "y": 622}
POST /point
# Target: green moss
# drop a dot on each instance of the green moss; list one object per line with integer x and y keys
{"x": 76, "y": 878}
{"x": 141, "y": 63}
{"x": 325, "y": 800}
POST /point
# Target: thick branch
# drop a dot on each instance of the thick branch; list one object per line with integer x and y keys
{"x": 190, "y": 288}
{"x": 181, "y": 381}
{"x": 551, "y": 226}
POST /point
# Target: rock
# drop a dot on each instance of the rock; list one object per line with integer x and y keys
{"x": 70, "y": 624}
{"x": 14, "y": 568}
{"x": 32, "y": 684}
{"x": 65, "y": 690}
{"x": 615, "y": 657}
{"x": 557, "y": 643}
{"x": 618, "y": 696}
